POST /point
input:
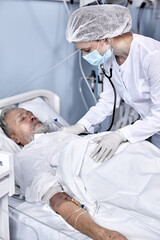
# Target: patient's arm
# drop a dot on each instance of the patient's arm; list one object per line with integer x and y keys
{"x": 61, "y": 203}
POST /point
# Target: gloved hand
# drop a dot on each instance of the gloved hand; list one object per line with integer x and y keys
{"x": 107, "y": 146}
{"x": 75, "y": 129}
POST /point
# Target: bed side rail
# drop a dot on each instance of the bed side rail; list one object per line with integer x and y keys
{"x": 6, "y": 161}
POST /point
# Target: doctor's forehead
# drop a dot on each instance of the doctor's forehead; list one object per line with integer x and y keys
{"x": 84, "y": 45}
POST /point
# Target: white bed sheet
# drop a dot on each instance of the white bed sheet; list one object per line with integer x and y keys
{"x": 41, "y": 219}
{"x": 121, "y": 194}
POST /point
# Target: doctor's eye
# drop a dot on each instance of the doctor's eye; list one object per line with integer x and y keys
{"x": 87, "y": 50}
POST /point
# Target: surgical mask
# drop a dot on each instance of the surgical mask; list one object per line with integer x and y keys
{"x": 95, "y": 58}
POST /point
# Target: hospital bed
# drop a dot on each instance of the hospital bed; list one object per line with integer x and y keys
{"x": 128, "y": 201}
{"x": 35, "y": 220}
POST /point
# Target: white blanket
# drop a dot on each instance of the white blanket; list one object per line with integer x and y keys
{"x": 121, "y": 194}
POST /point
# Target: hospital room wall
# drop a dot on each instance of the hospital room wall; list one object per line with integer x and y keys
{"x": 33, "y": 40}
{"x": 149, "y": 21}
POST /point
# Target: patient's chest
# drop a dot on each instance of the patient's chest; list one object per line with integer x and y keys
{"x": 49, "y": 146}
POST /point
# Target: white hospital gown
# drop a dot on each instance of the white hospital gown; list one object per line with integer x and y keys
{"x": 36, "y": 163}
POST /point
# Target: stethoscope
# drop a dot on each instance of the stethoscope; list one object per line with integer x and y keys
{"x": 114, "y": 91}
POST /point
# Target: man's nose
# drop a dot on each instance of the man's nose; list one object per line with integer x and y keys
{"x": 31, "y": 118}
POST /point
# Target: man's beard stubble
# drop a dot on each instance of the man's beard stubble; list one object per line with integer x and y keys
{"x": 42, "y": 128}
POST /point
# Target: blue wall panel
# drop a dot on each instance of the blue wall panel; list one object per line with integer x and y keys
{"x": 32, "y": 40}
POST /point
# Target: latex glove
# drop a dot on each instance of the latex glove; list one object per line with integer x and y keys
{"x": 107, "y": 145}
{"x": 75, "y": 129}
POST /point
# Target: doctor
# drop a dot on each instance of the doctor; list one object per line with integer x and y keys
{"x": 101, "y": 32}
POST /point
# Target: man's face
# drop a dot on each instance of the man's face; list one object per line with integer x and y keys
{"x": 22, "y": 125}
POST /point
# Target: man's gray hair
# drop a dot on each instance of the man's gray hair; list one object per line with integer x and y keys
{"x": 3, "y": 115}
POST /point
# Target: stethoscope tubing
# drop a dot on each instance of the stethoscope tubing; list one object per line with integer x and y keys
{"x": 114, "y": 91}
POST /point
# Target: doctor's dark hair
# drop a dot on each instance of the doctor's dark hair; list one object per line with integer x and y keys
{"x": 3, "y": 115}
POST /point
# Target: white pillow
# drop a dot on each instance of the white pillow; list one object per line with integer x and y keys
{"x": 41, "y": 110}
{"x": 6, "y": 144}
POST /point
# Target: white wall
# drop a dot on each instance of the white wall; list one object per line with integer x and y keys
{"x": 150, "y": 21}
{"x": 32, "y": 40}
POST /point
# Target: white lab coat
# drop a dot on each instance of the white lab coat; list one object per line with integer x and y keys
{"x": 137, "y": 82}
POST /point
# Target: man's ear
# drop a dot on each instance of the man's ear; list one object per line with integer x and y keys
{"x": 15, "y": 139}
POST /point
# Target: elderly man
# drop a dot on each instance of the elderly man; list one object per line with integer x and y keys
{"x": 121, "y": 194}
{"x": 21, "y": 126}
